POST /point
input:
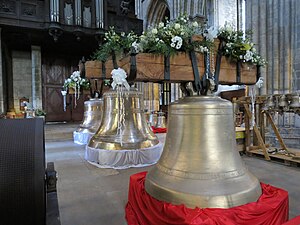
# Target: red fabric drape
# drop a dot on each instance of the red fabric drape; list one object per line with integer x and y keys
{"x": 159, "y": 130}
{"x": 294, "y": 221}
{"x": 142, "y": 209}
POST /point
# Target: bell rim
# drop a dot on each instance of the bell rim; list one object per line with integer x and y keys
{"x": 191, "y": 200}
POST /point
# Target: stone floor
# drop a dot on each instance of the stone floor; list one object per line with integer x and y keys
{"x": 88, "y": 195}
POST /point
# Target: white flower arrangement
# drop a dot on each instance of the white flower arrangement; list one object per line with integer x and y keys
{"x": 77, "y": 83}
{"x": 115, "y": 43}
{"x": 172, "y": 36}
{"x": 239, "y": 46}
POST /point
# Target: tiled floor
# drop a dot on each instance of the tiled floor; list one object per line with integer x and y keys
{"x": 88, "y": 195}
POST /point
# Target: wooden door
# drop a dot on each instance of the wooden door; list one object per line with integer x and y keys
{"x": 54, "y": 73}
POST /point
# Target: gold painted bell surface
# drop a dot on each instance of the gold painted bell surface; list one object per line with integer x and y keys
{"x": 134, "y": 133}
{"x": 200, "y": 166}
{"x": 92, "y": 116}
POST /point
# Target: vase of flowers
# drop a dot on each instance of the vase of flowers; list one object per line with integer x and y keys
{"x": 75, "y": 84}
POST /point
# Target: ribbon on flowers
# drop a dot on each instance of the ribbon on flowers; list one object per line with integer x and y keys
{"x": 119, "y": 78}
{"x": 260, "y": 82}
{"x": 210, "y": 33}
{"x": 64, "y": 93}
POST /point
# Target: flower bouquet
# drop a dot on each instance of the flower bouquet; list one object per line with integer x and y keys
{"x": 164, "y": 50}
{"x": 74, "y": 85}
{"x": 241, "y": 57}
{"x": 181, "y": 50}
{"x": 106, "y": 57}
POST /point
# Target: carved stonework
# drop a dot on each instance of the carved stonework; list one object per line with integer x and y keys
{"x": 127, "y": 7}
{"x": 87, "y": 17}
{"x": 125, "y": 4}
{"x": 87, "y": 3}
{"x": 7, "y": 6}
{"x": 28, "y": 9}
{"x": 68, "y": 12}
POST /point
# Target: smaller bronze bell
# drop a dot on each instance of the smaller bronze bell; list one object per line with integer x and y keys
{"x": 283, "y": 101}
{"x": 265, "y": 107}
{"x": 161, "y": 120}
{"x": 295, "y": 103}
{"x": 93, "y": 109}
{"x": 153, "y": 118}
{"x": 270, "y": 102}
{"x": 135, "y": 133}
{"x": 276, "y": 100}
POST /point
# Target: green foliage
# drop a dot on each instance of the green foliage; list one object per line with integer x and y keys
{"x": 238, "y": 46}
{"x": 183, "y": 35}
{"x": 76, "y": 82}
{"x": 114, "y": 43}
{"x": 172, "y": 36}
{"x": 40, "y": 112}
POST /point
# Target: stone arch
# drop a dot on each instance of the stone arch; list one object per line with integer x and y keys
{"x": 189, "y": 7}
{"x": 157, "y": 12}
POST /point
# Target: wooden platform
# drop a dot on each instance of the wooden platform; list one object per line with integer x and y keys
{"x": 278, "y": 157}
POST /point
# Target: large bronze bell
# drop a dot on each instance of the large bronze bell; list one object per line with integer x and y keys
{"x": 91, "y": 121}
{"x": 127, "y": 130}
{"x": 200, "y": 166}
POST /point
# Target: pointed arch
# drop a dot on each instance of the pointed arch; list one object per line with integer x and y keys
{"x": 157, "y": 12}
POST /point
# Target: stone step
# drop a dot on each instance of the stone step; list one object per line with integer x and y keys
{"x": 60, "y": 131}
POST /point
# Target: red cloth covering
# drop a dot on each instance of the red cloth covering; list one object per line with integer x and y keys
{"x": 294, "y": 221}
{"x": 159, "y": 130}
{"x": 142, "y": 209}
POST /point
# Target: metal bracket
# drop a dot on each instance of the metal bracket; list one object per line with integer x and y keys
{"x": 197, "y": 82}
{"x": 50, "y": 178}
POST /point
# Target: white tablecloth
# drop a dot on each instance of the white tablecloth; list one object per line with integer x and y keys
{"x": 82, "y": 138}
{"x": 122, "y": 159}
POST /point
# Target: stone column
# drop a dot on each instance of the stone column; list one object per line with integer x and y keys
{"x": 225, "y": 12}
{"x": 273, "y": 24}
{"x": 2, "y": 110}
{"x": 36, "y": 65}
{"x": 296, "y": 46}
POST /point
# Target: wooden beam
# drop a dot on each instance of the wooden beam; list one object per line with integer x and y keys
{"x": 257, "y": 133}
{"x": 276, "y": 131}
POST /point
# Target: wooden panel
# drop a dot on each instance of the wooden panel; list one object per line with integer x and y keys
{"x": 93, "y": 69}
{"x": 54, "y": 104}
{"x": 150, "y": 67}
{"x": 54, "y": 71}
{"x": 228, "y": 69}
